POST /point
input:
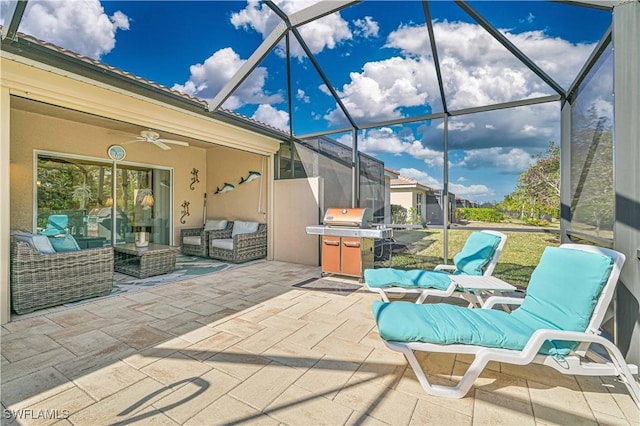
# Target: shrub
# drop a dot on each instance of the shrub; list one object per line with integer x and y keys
{"x": 479, "y": 214}
{"x": 398, "y": 214}
{"x": 413, "y": 218}
{"x": 536, "y": 222}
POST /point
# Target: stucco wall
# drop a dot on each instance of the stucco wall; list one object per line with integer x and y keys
{"x": 404, "y": 198}
{"x": 30, "y": 131}
{"x": 244, "y": 202}
{"x": 299, "y": 204}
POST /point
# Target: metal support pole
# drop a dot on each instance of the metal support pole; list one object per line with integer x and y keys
{"x": 565, "y": 171}
{"x": 355, "y": 170}
{"x": 114, "y": 206}
{"x": 445, "y": 194}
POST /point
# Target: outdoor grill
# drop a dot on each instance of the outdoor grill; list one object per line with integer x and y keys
{"x": 348, "y": 240}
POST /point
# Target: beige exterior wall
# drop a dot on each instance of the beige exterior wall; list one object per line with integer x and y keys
{"x": 5, "y": 201}
{"x": 31, "y": 132}
{"x": 35, "y": 81}
{"x": 247, "y": 201}
{"x": 403, "y": 197}
{"x": 407, "y": 198}
{"x": 299, "y": 204}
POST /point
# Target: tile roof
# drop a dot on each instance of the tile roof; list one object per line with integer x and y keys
{"x": 121, "y": 72}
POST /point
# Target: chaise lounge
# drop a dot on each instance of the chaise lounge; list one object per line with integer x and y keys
{"x": 478, "y": 257}
{"x": 557, "y": 321}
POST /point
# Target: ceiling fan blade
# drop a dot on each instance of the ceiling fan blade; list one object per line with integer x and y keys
{"x": 173, "y": 142}
{"x": 161, "y": 145}
{"x": 131, "y": 141}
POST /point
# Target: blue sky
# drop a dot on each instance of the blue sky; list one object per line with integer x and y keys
{"x": 377, "y": 57}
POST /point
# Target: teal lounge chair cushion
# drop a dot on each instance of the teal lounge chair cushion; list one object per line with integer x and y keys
{"x": 415, "y": 278}
{"x": 564, "y": 288}
{"x": 562, "y": 294}
{"x": 477, "y": 252}
{"x": 66, "y": 243}
{"x": 57, "y": 224}
{"x": 447, "y": 324}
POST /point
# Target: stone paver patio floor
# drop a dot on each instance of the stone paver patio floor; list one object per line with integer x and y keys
{"x": 246, "y": 346}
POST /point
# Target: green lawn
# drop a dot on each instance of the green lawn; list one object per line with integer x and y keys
{"x": 521, "y": 253}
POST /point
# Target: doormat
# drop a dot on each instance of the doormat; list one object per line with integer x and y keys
{"x": 340, "y": 287}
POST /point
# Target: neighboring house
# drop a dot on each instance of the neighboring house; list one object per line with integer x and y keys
{"x": 410, "y": 194}
{"x": 427, "y": 201}
{"x": 464, "y": 203}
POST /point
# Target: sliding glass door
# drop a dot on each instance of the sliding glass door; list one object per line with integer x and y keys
{"x": 79, "y": 195}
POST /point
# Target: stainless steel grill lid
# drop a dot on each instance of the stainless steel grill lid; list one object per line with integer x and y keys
{"x": 353, "y": 217}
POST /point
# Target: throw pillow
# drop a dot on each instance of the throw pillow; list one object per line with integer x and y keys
{"x": 66, "y": 243}
{"x": 39, "y": 243}
{"x": 215, "y": 224}
{"x": 240, "y": 227}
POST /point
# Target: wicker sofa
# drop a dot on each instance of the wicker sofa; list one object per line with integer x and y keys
{"x": 244, "y": 247}
{"x": 195, "y": 241}
{"x": 41, "y": 280}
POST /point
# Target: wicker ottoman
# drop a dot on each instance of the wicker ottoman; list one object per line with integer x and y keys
{"x": 156, "y": 259}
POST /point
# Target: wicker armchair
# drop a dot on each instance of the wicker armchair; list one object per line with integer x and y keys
{"x": 240, "y": 248}
{"x": 41, "y": 280}
{"x": 195, "y": 241}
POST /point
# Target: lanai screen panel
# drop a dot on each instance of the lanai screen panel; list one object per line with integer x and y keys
{"x": 545, "y": 32}
{"x": 489, "y": 152}
{"x": 476, "y": 69}
{"x": 592, "y": 188}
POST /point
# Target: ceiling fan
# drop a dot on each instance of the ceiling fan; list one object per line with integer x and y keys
{"x": 154, "y": 138}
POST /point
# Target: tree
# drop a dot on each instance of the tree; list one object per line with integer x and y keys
{"x": 538, "y": 190}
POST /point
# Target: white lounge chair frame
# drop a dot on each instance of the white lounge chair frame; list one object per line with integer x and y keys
{"x": 426, "y": 292}
{"x": 575, "y": 363}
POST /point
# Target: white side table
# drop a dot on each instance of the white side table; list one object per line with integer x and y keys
{"x": 477, "y": 286}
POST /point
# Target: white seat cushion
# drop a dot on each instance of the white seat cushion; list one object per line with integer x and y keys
{"x": 193, "y": 240}
{"x": 223, "y": 243}
{"x": 215, "y": 224}
{"x": 240, "y": 227}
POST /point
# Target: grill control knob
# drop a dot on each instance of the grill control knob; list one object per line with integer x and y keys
{"x": 345, "y": 211}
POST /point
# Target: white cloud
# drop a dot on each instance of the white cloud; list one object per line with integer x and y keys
{"x": 208, "y": 78}
{"x": 459, "y": 126}
{"x": 382, "y": 88}
{"x": 471, "y": 191}
{"x": 513, "y": 160}
{"x": 80, "y": 26}
{"x": 528, "y": 19}
{"x": 366, "y": 27}
{"x": 421, "y": 176}
{"x": 300, "y": 95}
{"x": 476, "y": 69}
{"x": 386, "y": 141}
{"x": 324, "y": 33}
{"x": 272, "y": 116}
{"x": 466, "y": 191}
